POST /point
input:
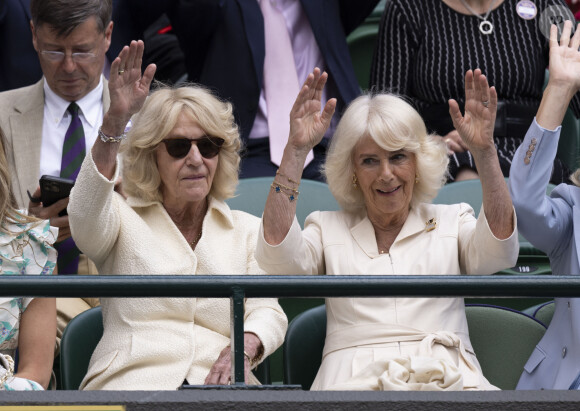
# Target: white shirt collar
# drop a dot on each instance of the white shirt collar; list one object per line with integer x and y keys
{"x": 89, "y": 104}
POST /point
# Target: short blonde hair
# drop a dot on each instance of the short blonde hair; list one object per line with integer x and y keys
{"x": 155, "y": 121}
{"x": 394, "y": 125}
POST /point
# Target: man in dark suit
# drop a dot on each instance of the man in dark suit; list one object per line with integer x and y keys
{"x": 19, "y": 64}
{"x": 224, "y": 47}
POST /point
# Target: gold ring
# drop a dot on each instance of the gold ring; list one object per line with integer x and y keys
{"x": 485, "y": 103}
{"x": 121, "y": 71}
{"x": 447, "y": 140}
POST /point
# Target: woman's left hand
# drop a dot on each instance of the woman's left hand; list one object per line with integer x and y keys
{"x": 476, "y": 126}
{"x": 129, "y": 88}
{"x": 221, "y": 371}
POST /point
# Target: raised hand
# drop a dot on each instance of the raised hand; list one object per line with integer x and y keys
{"x": 476, "y": 126}
{"x": 307, "y": 123}
{"x": 127, "y": 86}
{"x": 565, "y": 57}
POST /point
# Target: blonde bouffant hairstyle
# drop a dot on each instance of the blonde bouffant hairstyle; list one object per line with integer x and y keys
{"x": 155, "y": 121}
{"x": 394, "y": 125}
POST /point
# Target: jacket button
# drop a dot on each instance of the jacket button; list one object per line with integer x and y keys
{"x": 526, "y": 160}
{"x": 534, "y": 141}
{"x": 564, "y": 350}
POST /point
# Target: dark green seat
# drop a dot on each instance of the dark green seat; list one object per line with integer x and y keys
{"x": 361, "y": 45}
{"x": 542, "y": 312}
{"x": 79, "y": 340}
{"x": 251, "y": 197}
{"x": 502, "y": 339}
{"x": 303, "y": 347}
{"x": 469, "y": 191}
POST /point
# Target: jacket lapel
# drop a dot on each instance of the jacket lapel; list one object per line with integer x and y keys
{"x": 26, "y": 131}
{"x": 254, "y": 27}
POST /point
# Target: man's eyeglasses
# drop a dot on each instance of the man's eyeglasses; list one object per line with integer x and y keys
{"x": 208, "y": 146}
{"x": 58, "y": 56}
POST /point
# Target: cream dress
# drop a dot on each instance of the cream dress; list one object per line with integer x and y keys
{"x": 395, "y": 343}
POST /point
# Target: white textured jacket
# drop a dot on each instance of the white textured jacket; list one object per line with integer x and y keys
{"x": 157, "y": 343}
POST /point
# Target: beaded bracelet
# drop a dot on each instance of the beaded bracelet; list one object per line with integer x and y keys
{"x": 111, "y": 139}
{"x": 278, "y": 173}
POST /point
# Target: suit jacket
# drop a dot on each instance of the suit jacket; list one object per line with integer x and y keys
{"x": 21, "y": 118}
{"x": 339, "y": 243}
{"x": 224, "y": 46}
{"x": 157, "y": 343}
{"x": 552, "y": 224}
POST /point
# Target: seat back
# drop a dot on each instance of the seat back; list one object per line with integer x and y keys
{"x": 251, "y": 197}
{"x": 303, "y": 347}
{"x": 469, "y": 191}
{"x": 542, "y": 312}
{"x": 503, "y": 340}
{"x": 79, "y": 340}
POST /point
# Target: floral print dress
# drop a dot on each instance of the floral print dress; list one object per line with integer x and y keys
{"x": 26, "y": 250}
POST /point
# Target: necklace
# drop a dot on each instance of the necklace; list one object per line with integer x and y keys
{"x": 485, "y": 26}
{"x": 194, "y": 242}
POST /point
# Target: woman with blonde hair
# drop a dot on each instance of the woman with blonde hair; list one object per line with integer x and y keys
{"x": 180, "y": 162}
{"x": 26, "y": 324}
{"x": 384, "y": 170}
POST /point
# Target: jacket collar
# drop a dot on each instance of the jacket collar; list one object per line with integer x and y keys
{"x": 220, "y": 208}
{"x": 363, "y": 232}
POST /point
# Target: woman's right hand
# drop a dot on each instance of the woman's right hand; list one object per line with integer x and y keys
{"x": 128, "y": 88}
{"x": 307, "y": 123}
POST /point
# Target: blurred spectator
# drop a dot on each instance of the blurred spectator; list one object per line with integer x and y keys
{"x": 424, "y": 47}
{"x": 26, "y": 324}
{"x": 52, "y": 123}
{"x": 225, "y": 46}
{"x": 19, "y": 64}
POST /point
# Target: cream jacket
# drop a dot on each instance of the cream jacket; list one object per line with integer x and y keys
{"x": 435, "y": 239}
{"x": 157, "y": 343}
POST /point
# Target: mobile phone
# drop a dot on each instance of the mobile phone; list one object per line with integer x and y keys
{"x": 54, "y": 188}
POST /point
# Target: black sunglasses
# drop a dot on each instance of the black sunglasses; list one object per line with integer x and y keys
{"x": 208, "y": 147}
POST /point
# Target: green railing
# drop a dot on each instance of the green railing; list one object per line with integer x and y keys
{"x": 237, "y": 288}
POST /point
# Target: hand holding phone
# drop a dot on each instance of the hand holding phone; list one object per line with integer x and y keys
{"x": 53, "y": 189}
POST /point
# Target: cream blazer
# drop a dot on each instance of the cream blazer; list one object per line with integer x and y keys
{"x": 435, "y": 239}
{"x": 157, "y": 343}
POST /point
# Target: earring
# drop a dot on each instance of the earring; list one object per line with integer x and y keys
{"x": 416, "y": 179}
{"x": 354, "y": 182}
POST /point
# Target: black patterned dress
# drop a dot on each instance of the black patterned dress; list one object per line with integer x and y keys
{"x": 425, "y": 47}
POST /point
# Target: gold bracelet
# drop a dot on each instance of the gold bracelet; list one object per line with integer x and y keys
{"x": 286, "y": 187}
{"x": 278, "y": 173}
{"x": 279, "y": 188}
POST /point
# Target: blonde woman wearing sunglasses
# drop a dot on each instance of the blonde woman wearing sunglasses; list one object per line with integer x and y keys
{"x": 180, "y": 161}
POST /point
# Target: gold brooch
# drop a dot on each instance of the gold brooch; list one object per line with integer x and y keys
{"x": 430, "y": 224}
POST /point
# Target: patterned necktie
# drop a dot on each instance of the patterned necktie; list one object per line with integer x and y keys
{"x": 280, "y": 80}
{"x": 73, "y": 150}
{"x": 73, "y": 154}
